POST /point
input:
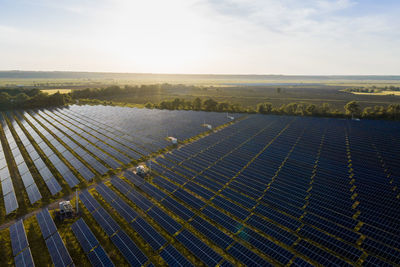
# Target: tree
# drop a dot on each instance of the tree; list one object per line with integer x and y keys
{"x": 264, "y": 108}
{"x": 149, "y": 105}
{"x": 325, "y": 109}
{"x": 352, "y": 108}
{"x": 197, "y": 104}
{"x": 291, "y": 108}
{"x": 311, "y": 109}
{"x": 393, "y": 111}
{"x": 223, "y": 106}
{"x": 164, "y": 105}
{"x": 278, "y": 90}
{"x": 210, "y": 105}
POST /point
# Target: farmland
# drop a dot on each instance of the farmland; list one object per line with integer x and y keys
{"x": 256, "y": 190}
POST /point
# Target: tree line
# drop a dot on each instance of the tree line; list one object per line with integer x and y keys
{"x": 372, "y": 89}
{"x": 352, "y": 109}
{"x": 34, "y": 98}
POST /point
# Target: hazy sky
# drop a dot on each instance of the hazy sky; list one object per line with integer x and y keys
{"x": 202, "y": 36}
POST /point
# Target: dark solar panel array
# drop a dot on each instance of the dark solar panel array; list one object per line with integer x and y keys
{"x": 10, "y": 200}
{"x": 133, "y": 255}
{"x": 20, "y": 246}
{"x": 24, "y": 259}
{"x": 96, "y": 254}
{"x": 281, "y": 179}
{"x": 18, "y": 237}
{"x": 267, "y": 190}
{"x": 58, "y": 252}
{"x": 23, "y": 170}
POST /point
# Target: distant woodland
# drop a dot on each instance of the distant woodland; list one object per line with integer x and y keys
{"x": 114, "y": 95}
{"x": 34, "y": 98}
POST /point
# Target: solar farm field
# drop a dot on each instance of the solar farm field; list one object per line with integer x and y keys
{"x": 261, "y": 191}
{"x": 45, "y": 154}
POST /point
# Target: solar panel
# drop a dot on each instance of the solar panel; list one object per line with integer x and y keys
{"x": 247, "y": 256}
{"x": 133, "y": 255}
{"x": 46, "y": 223}
{"x": 84, "y": 235}
{"x": 98, "y": 257}
{"x": 90, "y": 203}
{"x": 164, "y": 220}
{"x": 58, "y": 252}
{"x": 173, "y": 257}
{"x": 53, "y": 186}
{"x": 33, "y": 193}
{"x": 18, "y": 237}
{"x": 213, "y": 233}
{"x": 106, "y": 222}
{"x": 198, "y": 248}
{"x": 24, "y": 259}
{"x": 148, "y": 233}
{"x": 10, "y": 202}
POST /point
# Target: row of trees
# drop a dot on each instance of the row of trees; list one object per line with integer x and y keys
{"x": 372, "y": 89}
{"x": 352, "y": 108}
{"x": 31, "y": 99}
{"x": 197, "y": 104}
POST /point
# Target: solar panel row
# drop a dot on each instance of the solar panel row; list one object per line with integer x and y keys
{"x": 23, "y": 170}
{"x": 133, "y": 255}
{"x": 58, "y": 252}
{"x": 95, "y": 252}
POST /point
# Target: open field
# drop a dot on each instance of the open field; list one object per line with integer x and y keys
{"x": 396, "y": 93}
{"x": 53, "y": 91}
{"x": 258, "y": 190}
{"x": 246, "y": 90}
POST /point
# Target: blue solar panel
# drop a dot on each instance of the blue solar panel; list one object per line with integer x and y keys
{"x": 137, "y": 198}
{"x": 247, "y": 256}
{"x": 84, "y": 235}
{"x": 90, "y": 203}
{"x": 53, "y": 186}
{"x": 109, "y": 225}
{"x": 10, "y": 202}
{"x": 145, "y": 230}
{"x": 165, "y": 221}
{"x": 33, "y": 193}
{"x": 24, "y": 259}
{"x": 46, "y": 223}
{"x": 212, "y": 232}
{"x": 173, "y": 257}
{"x": 98, "y": 257}
{"x": 133, "y": 255}
{"x": 177, "y": 208}
{"x": 198, "y": 248}
{"x": 18, "y": 237}
{"x": 126, "y": 211}
{"x": 135, "y": 179}
{"x": 58, "y": 252}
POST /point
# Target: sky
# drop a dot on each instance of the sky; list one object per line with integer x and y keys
{"x": 307, "y": 37}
